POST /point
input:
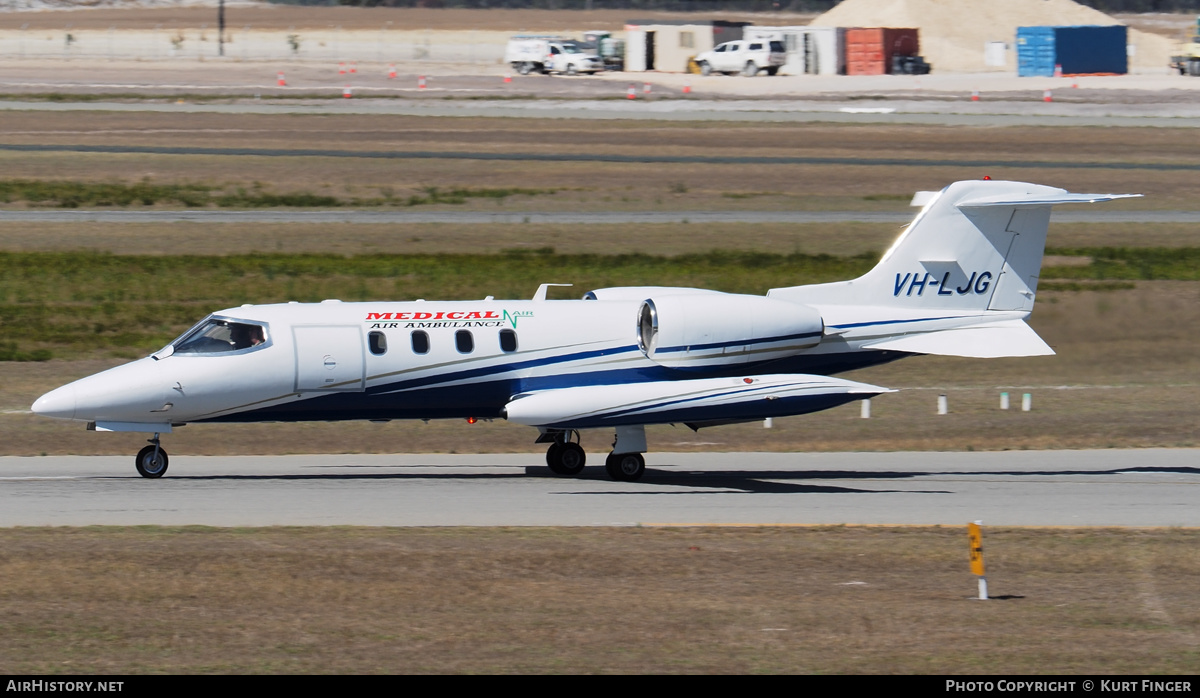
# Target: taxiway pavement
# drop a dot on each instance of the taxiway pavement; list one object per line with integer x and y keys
{"x": 1140, "y": 487}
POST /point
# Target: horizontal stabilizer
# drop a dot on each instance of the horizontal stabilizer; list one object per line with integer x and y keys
{"x": 1013, "y": 338}
{"x": 1040, "y": 199}
{"x": 699, "y": 400}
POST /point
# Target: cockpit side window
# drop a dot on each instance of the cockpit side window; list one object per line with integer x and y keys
{"x": 218, "y": 336}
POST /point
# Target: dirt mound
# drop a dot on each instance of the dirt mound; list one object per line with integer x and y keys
{"x": 954, "y": 32}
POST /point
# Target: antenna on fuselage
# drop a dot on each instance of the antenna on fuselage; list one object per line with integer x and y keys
{"x": 541, "y": 292}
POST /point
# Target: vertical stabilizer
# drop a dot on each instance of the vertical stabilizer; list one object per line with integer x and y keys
{"x": 976, "y": 245}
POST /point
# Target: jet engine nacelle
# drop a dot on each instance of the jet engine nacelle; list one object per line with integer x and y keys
{"x": 693, "y": 331}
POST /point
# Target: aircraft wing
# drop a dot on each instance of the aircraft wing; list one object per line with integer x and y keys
{"x": 697, "y": 401}
{"x": 1013, "y": 338}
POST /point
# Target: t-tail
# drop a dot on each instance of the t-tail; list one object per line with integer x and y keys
{"x": 959, "y": 281}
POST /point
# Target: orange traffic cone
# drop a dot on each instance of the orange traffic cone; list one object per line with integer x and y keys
{"x": 1047, "y": 97}
{"x": 421, "y": 83}
{"x": 280, "y": 80}
{"x": 507, "y": 78}
{"x": 631, "y": 93}
{"x": 687, "y": 89}
{"x": 391, "y": 71}
{"x": 353, "y": 67}
{"x": 346, "y": 93}
{"x": 974, "y": 95}
{"x": 341, "y": 68}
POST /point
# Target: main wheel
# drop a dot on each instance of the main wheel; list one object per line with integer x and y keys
{"x": 625, "y": 467}
{"x": 150, "y": 465}
{"x": 566, "y": 459}
{"x": 750, "y": 70}
{"x": 526, "y": 68}
{"x": 571, "y": 70}
{"x": 705, "y": 68}
{"x": 773, "y": 70}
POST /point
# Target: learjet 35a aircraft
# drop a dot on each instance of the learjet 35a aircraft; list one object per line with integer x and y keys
{"x": 959, "y": 281}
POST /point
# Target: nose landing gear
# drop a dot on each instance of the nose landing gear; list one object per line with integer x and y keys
{"x": 152, "y": 460}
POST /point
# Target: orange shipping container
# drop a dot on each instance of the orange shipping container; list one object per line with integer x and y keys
{"x": 869, "y": 51}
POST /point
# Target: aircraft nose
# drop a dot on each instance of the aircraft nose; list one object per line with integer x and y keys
{"x": 59, "y": 403}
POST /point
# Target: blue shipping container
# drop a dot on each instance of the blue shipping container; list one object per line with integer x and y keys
{"x": 1078, "y": 50}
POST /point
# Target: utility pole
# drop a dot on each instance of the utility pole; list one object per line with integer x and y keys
{"x": 221, "y": 28}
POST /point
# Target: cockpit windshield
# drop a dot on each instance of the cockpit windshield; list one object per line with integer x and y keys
{"x": 215, "y": 336}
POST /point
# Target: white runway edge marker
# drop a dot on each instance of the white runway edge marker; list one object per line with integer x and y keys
{"x": 943, "y": 406}
{"x": 1004, "y": 401}
{"x": 866, "y": 409}
{"x": 1026, "y": 402}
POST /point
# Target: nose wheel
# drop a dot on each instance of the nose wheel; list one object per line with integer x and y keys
{"x": 152, "y": 460}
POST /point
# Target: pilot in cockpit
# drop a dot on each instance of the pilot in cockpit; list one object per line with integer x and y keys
{"x": 245, "y": 336}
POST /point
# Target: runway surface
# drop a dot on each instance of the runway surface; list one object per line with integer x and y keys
{"x": 1151, "y": 113}
{"x": 1144, "y": 487}
{"x": 592, "y": 157}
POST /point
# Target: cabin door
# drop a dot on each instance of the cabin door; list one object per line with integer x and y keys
{"x": 329, "y": 358}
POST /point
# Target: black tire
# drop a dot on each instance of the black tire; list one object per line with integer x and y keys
{"x": 705, "y": 68}
{"x": 149, "y": 466}
{"x": 773, "y": 71}
{"x": 568, "y": 459}
{"x": 625, "y": 467}
{"x": 571, "y": 70}
{"x": 750, "y": 70}
{"x": 525, "y": 68}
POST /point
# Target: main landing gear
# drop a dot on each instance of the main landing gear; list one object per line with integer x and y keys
{"x": 567, "y": 458}
{"x": 152, "y": 460}
{"x": 625, "y": 467}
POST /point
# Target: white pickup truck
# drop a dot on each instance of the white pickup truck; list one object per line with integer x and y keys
{"x": 550, "y": 55}
{"x": 745, "y": 57}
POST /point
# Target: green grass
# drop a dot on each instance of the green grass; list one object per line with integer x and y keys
{"x": 1129, "y": 263}
{"x": 77, "y": 304}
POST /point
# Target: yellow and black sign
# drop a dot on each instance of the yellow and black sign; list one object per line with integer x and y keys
{"x": 976, "y": 538}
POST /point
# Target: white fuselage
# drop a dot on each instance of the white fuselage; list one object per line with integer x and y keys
{"x": 320, "y": 361}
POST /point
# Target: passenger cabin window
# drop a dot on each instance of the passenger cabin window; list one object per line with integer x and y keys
{"x": 721, "y": 48}
{"x": 215, "y": 336}
{"x": 377, "y": 343}
{"x": 420, "y": 342}
{"x": 777, "y": 46}
{"x": 508, "y": 341}
{"x": 464, "y": 341}
{"x": 755, "y": 47}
